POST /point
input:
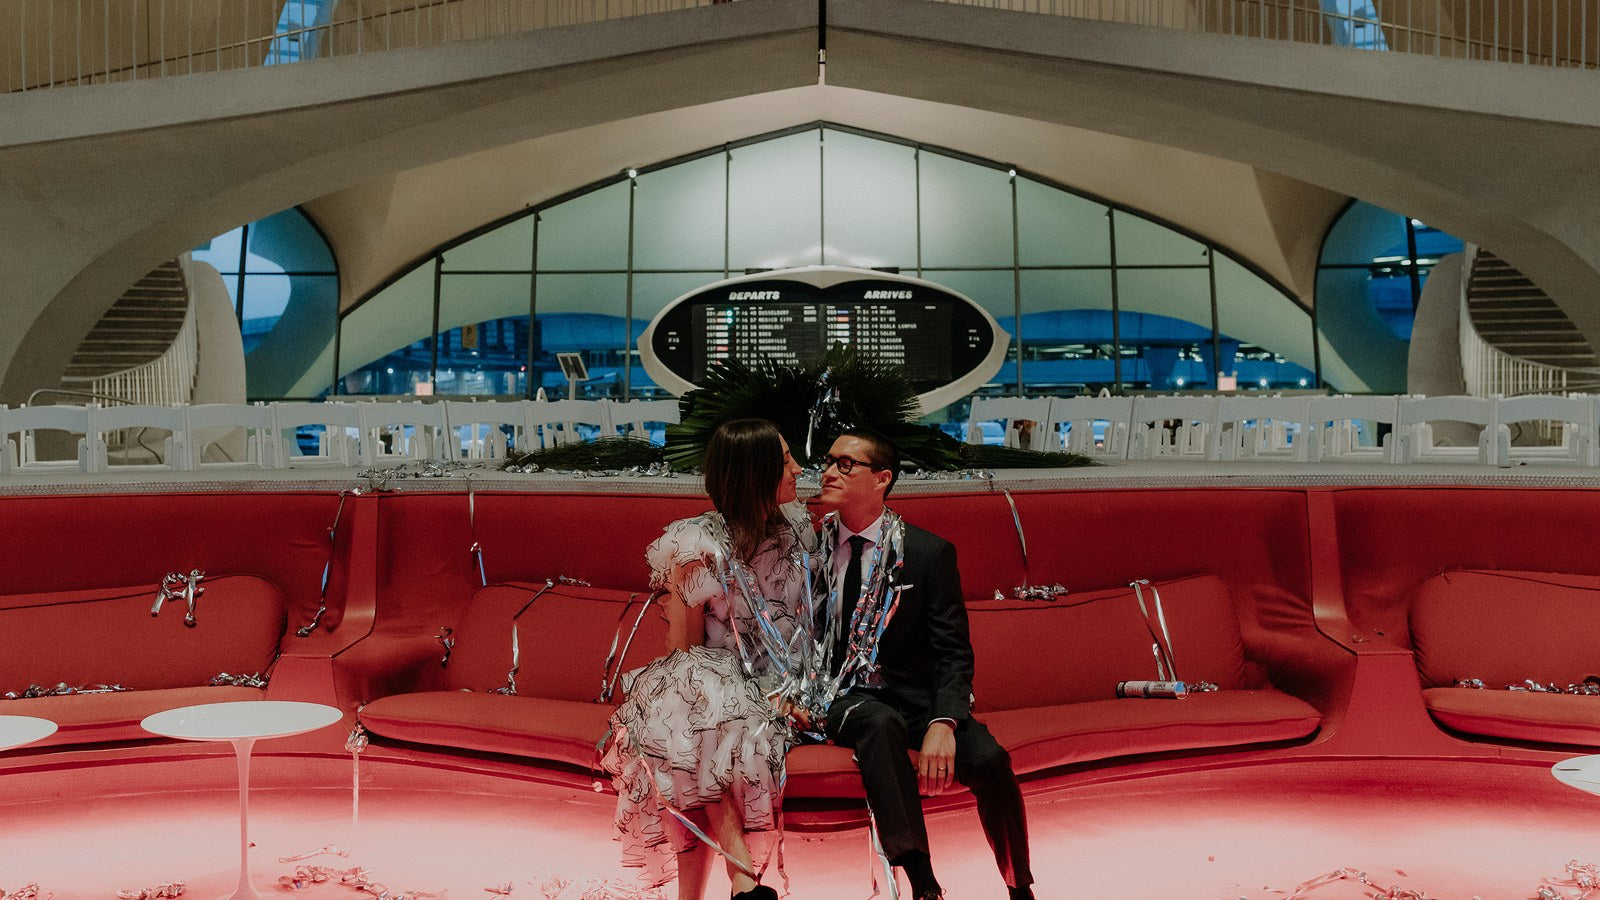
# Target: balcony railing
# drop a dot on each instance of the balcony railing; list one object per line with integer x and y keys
{"x": 55, "y": 43}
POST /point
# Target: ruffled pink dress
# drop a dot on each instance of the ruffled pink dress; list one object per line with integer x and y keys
{"x": 694, "y": 728}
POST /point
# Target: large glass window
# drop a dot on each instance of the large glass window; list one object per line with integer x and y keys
{"x": 1369, "y": 281}
{"x": 285, "y": 290}
{"x": 1095, "y": 296}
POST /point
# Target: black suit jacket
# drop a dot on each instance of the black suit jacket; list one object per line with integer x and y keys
{"x": 925, "y": 656}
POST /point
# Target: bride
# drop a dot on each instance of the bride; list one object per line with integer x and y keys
{"x": 703, "y": 730}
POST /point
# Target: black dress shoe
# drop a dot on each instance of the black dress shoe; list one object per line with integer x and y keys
{"x": 759, "y": 892}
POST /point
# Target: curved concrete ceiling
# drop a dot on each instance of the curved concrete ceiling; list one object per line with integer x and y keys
{"x": 100, "y": 183}
{"x": 383, "y": 227}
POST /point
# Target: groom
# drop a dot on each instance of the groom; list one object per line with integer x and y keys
{"x": 920, "y": 695}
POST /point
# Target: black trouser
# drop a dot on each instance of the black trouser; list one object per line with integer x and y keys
{"x": 880, "y": 727}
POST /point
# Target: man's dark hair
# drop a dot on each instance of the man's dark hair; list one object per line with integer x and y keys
{"x": 883, "y": 453}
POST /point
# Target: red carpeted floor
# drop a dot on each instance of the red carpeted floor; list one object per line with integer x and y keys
{"x": 1445, "y": 829}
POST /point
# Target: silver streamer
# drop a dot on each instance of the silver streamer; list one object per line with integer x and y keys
{"x": 327, "y": 570}
{"x": 159, "y": 892}
{"x": 654, "y": 470}
{"x": 178, "y": 586}
{"x": 354, "y": 745}
{"x": 1044, "y": 593}
{"x": 29, "y": 891}
{"x": 448, "y": 642}
{"x": 472, "y": 523}
{"x": 1590, "y": 687}
{"x": 324, "y": 850}
{"x": 568, "y": 579}
{"x": 880, "y": 597}
{"x": 826, "y": 406}
{"x": 61, "y": 690}
{"x": 880, "y": 861}
{"x": 503, "y": 889}
{"x": 608, "y": 675}
{"x": 357, "y": 878}
{"x": 955, "y": 475}
{"x": 257, "y": 680}
{"x": 1161, "y": 642}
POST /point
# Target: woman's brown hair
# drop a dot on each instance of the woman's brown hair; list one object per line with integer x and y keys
{"x": 743, "y": 466}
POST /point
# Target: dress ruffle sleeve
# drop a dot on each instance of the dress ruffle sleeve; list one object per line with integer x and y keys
{"x": 686, "y": 555}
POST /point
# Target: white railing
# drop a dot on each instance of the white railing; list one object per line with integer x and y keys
{"x": 164, "y": 381}
{"x": 58, "y": 43}
{"x": 55, "y": 43}
{"x": 1491, "y": 372}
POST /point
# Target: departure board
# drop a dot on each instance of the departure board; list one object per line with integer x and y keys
{"x": 935, "y": 336}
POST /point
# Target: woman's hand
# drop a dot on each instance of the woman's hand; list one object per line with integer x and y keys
{"x": 799, "y": 715}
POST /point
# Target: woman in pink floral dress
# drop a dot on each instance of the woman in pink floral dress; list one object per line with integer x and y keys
{"x": 704, "y": 729}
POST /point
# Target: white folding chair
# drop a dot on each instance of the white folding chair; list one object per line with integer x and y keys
{"x": 558, "y": 422}
{"x": 1350, "y": 429}
{"x": 123, "y": 434}
{"x": 1417, "y": 416}
{"x": 1174, "y": 428}
{"x": 1022, "y": 419}
{"x": 1575, "y": 416}
{"x": 1256, "y": 427}
{"x": 22, "y": 454}
{"x": 634, "y": 418}
{"x": 1087, "y": 417}
{"x": 230, "y": 435}
{"x": 401, "y": 431}
{"x": 486, "y": 429}
{"x": 336, "y": 428}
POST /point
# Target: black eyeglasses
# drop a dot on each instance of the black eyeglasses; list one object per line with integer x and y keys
{"x": 846, "y": 464}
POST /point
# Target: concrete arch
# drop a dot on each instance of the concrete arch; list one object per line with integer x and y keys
{"x": 102, "y": 182}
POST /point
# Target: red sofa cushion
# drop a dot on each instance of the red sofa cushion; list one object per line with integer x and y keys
{"x": 1076, "y": 650}
{"x": 107, "y": 636}
{"x": 1517, "y": 715}
{"x": 92, "y": 718}
{"x": 1505, "y": 627}
{"x": 564, "y": 638}
{"x": 1044, "y": 738}
{"x": 1047, "y": 737}
{"x": 559, "y": 730}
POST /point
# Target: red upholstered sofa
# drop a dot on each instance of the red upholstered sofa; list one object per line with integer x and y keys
{"x": 1046, "y": 681}
{"x": 1046, "y": 672}
{"x": 79, "y": 574}
{"x": 1506, "y": 628}
{"x": 108, "y": 637}
{"x": 572, "y": 644}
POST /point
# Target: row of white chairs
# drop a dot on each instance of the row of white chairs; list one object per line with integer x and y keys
{"x": 278, "y": 435}
{"x": 1391, "y": 429}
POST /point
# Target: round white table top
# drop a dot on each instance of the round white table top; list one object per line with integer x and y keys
{"x": 1581, "y": 772}
{"x": 241, "y": 719}
{"x": 16, "y": 731}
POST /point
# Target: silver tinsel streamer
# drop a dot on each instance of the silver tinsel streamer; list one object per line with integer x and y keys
{"x": 1590, "y": 687}
{"x": 448, "y": 642}
{"x": 29, "y": 891}
{"x": 1161, "y": 642}
{"x": 257, "y": 680}
{"x": 654, "y": 470}
{"x": 327, "y": 570}
{"x": 178, "y": 586}
{"x": 880, "y": 597}
{"x": 62, "y": 689}
{"x": 159, "y": 892}
{"x": 357, "y": 878}
{"x": 609, "y": 675}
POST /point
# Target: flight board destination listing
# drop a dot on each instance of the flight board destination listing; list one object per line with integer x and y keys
{"x": 914, "y": 335}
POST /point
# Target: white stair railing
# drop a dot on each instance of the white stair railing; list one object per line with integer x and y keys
{"x": 1491, "y": 372}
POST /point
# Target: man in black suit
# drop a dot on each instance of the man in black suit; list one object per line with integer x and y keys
{"x": 921, "y": 688}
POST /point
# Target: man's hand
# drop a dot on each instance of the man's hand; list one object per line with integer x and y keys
{"x": 936, "y": 768}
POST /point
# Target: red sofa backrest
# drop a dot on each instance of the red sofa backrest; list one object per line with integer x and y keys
{"x": 564, "y": 638}
{"x": 1504, "y": 627}
{"x": 108, "y": 636}
{"x": 1075, "y": 650}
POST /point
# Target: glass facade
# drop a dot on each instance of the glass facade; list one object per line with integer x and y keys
{"x": 285, "y": 288}
{"x": 1369, "y": 281}
{"x": 1093, "y": 295}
